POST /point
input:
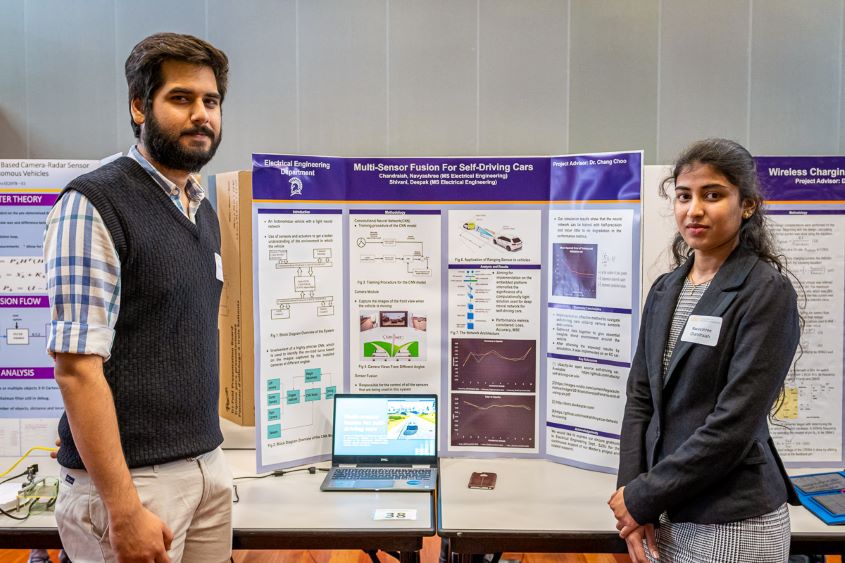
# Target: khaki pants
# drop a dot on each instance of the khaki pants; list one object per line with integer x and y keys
{"x": 192, "y": 496}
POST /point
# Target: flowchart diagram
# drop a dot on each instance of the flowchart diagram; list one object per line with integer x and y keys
{"x": 390, "y": 250}
{"x": 23, "y": 330}
{"x": 297, "y": 408}
{"x": 304, "y": 283}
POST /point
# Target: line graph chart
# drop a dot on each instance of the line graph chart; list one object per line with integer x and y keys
{"x": 479, "y": 364}
{"x": 493, "y": 420}
{"x": 574, "y": 270}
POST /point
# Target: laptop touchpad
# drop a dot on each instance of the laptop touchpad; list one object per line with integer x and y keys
{"x": 376, "y": 483}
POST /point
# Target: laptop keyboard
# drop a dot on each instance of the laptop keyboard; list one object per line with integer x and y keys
{"x": 398, "y": 473}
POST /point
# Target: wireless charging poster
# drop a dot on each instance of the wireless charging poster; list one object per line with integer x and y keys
{"x": 450, "y": 276}
{"x": 806, "y": 211}
{"x": 30, "y": 402}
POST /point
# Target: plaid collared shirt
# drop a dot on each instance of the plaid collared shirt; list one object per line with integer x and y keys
{"x": 83, "y": 268}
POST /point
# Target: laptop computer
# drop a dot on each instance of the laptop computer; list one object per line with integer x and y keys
{"x": 383, "y": 443}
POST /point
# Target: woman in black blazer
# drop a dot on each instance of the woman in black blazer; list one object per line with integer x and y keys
{"x": 717, "y": 338}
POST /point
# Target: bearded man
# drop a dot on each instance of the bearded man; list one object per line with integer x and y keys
{"x": 132, "y": 253}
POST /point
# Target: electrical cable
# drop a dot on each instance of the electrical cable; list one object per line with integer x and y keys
{"x": 279, "y": 472}
{"x": 31, "y": 504}
{"x": 23, "y": 457}
{"x": 14, "y": 477}
{"x": 13, "y": 517}
{"x": 29, "y": 473}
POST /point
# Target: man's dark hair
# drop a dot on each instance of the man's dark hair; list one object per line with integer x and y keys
{"x": 143, "y": 66}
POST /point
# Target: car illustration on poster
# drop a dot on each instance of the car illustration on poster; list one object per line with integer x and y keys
{"x": 511, "y": 244}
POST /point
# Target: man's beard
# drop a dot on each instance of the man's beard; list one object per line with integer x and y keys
{"x": 168, "y": 152}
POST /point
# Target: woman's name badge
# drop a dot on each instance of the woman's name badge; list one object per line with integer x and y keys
{"x": 702, "y": 330}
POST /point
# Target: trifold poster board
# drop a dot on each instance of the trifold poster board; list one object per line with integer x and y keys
{"x": 30, "y": 402}
{"x": 805, "y": 205}
{"x": 234, "y": 201}
{"x": 509, "y": 286}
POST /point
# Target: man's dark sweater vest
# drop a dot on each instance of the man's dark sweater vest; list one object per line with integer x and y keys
{"x": 163, "y": 370}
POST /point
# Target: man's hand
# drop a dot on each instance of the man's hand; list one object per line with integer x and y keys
{"x": 139, "y": 536}
{"x": 634, "y": 541}
{"x": 55, "y": 453}
{"x": 625, "y": 523}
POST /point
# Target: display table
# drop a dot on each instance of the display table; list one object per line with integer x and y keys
{"x": 540, "y": 506}
{"x": 288, "y": 512}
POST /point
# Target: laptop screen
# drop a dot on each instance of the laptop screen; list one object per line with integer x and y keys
{"x": 403, "y": 426}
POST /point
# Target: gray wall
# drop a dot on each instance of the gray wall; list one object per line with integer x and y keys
{"x": 441, "y": 77}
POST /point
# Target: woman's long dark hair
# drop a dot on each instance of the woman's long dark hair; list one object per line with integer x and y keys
{"x": 736, "y": 164}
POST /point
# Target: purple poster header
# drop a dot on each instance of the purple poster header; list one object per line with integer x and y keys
{"x": 802, "y": 178}
{"x": 805, "y": 212}
{"x": 285, "y": 177}
{"x": 28, "y": 199}
{"x": 24, "y": 301}
{"x": 300, "y": 211}
{"x": 589, "y": 360}
{"x": 494, "y": 266}
{"x": 449, "y": 179}
{"x": 583, "y": 430}
{"x": 441, "y": 180}
{"x": 395, "y": 212}
{"x": 589, "y": 308}
{"x": 602, "y": 177}
{"x": 26, "y": 373}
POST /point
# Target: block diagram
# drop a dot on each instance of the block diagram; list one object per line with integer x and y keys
{"x": 303, "y": 405}
{"x": 17, "y": 336}
{"x": 23, "y": 334}
{"x": 390, "y": 250}
{"x": 304, "y": 283}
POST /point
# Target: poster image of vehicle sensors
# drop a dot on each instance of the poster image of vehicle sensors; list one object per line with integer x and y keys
{"x": 393, "y": 335}
{"x": 494, "y": 236}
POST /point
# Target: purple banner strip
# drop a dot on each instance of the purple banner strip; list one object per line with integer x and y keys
{"x": 286, "y": 177}
{"x": 589, "y": 360}
{"x": 299, "y": 211}
{"x": 282, "y": 177}
{"x": 802, "y": 178}
{"x": 28, "y": 199}
{"x": 26, "y": 373}
{"x": 589, "y": 308}
{"x": 449, "y": 179}
{"x": 494, "y": 266}
{"x": 24, "y": 301}
{"x": 591, "y": 177}
{"x": 395, "y": 212}
{"x": 605, "y": 177}
{"x": 771, "y": 211}
{"x": 583, "y": 430}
